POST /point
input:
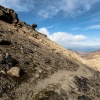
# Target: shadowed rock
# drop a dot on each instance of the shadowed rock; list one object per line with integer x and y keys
{"x": 34, "y": 26}
{"x": 9, "y": 60}
{"x": 8, "y": 15}
{"x": 5, "y": 42}
{"x": 84, "y": 98}
{"x": 82, "y": 83}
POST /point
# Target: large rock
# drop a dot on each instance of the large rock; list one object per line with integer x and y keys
{"x": 34, "y": 26}
{"x": 8, "y": 15}
{"x": 14, "y": 71}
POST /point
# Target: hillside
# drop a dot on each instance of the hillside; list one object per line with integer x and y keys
{"x": 81, "y": 54}
{"x": 32, "y": 67}
{"x": 93, "y": 59}
{"x": 92, "y": 55}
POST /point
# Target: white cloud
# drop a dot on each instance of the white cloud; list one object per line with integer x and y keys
{"x": 50, "y": 8}
{"x": 44, "y": 31}
{"x": 76, "y": 7}
{"x": 74, "y": 42}
{"x": 17, "y": 5}
{"x": 48, "y": 12}
{"x": 76, "y": 28}
{"x": 68, "y": 7}
{"x": 49, "y": 26}
{"x": 63, "y": 38}
{"x": 94, "y": 27}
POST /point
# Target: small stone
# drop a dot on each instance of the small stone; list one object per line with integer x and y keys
{"x": 14, "y": 71}
{"x": 2, "y": 72}
{"x": 40, "y": 71}
{"x": 7, "y": 55}
{"x": 37, "y": 76}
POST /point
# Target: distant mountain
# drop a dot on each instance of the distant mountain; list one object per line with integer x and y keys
{"x": 81, "y": 54}
{"x": 92, "y": 55}
{"x": 85, "y": 48}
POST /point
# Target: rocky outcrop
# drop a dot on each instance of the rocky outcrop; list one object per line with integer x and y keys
{"x": 34, "y": 26}
{"x": 8, "y": 15}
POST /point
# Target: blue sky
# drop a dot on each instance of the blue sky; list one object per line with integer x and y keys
{"x": 74, "y": 24}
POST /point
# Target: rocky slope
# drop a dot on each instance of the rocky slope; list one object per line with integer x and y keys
{"x": 32, "y": 67}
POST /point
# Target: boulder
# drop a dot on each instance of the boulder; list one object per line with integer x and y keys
{"x": 34, "y": 26}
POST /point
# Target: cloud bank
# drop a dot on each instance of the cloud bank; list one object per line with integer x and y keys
{"x": 74, "y": 42}
{"x": 63, "y": 38}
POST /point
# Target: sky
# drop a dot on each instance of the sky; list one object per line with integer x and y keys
{"x": 74, "y": 24}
